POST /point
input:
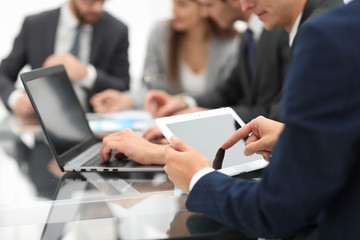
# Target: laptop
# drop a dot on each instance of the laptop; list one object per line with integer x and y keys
{"x": 65, "y": 126}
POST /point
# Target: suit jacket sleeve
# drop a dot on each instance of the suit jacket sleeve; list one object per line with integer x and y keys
{"x": 110, "y": 54}
{"x": 312, "y": 168}
{"x": 119, "y": 78}
{"x": 11, "y": 66}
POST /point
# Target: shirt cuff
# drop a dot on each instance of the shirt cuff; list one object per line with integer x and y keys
{"x": 197, "y": 176}
{"x": 190, "y": 101}
{"x": 89, "y": 81}
{"x": 14, "y": 96}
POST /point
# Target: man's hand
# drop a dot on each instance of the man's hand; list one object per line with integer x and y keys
{"x": 161, "y": 104}
{"x": 182, "y": 163}
{"x": 264, "y": 135}
{"x": 23, "y": 107}
{"x": 111, "y": 100}
{"x": 131, "y": 145}
{"x": 153, "y": 134}
{"x": 74, "y": 68}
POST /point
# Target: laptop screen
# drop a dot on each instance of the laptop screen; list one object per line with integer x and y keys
{"x": 60, "y": 110}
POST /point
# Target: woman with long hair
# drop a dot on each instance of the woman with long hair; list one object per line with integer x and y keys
{"x": 187, "y": 54}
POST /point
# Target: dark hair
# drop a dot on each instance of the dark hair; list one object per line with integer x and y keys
{"x": 175, "y": 38}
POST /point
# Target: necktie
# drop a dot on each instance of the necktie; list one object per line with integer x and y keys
{"x": 250, "y": 50}
{"x": 80, "y": 91}
{"x": 75, "y": 48}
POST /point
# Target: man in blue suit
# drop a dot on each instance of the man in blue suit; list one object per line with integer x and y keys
{"x": 313, "y": 171}
{"x": 235, "y": 93}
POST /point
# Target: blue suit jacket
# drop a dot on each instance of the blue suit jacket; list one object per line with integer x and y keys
{"x": 314, "y": 172}
{"x": 36, "y": 41}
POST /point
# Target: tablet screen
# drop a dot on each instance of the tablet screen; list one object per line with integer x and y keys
{"x": 209, "y": 133}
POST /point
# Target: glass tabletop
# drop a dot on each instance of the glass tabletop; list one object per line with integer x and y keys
{"x": 38, "y": 201}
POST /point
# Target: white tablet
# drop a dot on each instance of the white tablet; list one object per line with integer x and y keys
{"x": 206, "y": 131}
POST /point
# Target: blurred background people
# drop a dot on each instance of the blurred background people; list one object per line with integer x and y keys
{"x": 91, "y": 43}
{"x": 188, "y": 54}
{"x": 253, "y": 87}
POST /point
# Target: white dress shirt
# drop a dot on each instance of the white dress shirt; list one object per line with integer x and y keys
{"x": 256, "y": 26}
{"x": 294, "y": 30}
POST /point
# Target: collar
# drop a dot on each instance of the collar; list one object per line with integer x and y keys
{"x": 256, "y": 26}
{"x": 69, "y": 20}
{"x": 294, "y": 30}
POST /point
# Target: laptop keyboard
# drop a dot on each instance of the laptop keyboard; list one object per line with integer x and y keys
{"x": 113, "y": 162}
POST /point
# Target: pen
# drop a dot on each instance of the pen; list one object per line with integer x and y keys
{"x": 217, "y": 163}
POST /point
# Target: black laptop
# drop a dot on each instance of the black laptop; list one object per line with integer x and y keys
{"x": 65, "y": 126}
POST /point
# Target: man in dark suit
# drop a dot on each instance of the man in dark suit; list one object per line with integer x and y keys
{"x": 255, "y": 82}
{"x": 97, "y": 60}
{"x": 313, "y": 172}
{"x": 250, "y": 96}
{"x": 249, "y": 90}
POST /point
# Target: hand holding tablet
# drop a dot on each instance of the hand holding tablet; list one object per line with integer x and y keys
{"x": 206, "y": 131}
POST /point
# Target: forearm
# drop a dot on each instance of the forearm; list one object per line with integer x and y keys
{"x": 8, "y": 74}
{"x": 120, "y": 80}
{"x": 157, "y": 156}
{"x": 6, "y": 88}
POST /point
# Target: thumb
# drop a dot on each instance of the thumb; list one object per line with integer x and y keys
{"x": 256, "y": 146}
{"x": 178, "y": 144}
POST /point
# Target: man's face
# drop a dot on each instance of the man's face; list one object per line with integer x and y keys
{"x": 87, "y": 11}
{"x": 273, "y": 13}
{"x": 220, "y": 11}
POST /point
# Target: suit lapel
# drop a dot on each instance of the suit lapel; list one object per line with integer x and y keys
{"x": 261, "y": 46}
{"x": 50, "y": 33}
{"x": 244, "y": 63}
{"x": 98, "y": 34}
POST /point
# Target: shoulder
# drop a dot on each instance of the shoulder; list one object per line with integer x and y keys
{"x": 324, "y": 55}
{"x": 321, "y": 8}
{"x": 159, "y": 34}
{"x": 336, "y": 23}
{"x": 332, "y": 34}
{"x": 327, "y": 5}
{"x": 43, "y": 17}
{"x": 161, "y": 29}
{"x": 225, "y": 45}
{"x": 109, "y": 20}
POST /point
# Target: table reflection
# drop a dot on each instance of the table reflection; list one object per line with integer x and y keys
{"x": 37, "y": 201}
